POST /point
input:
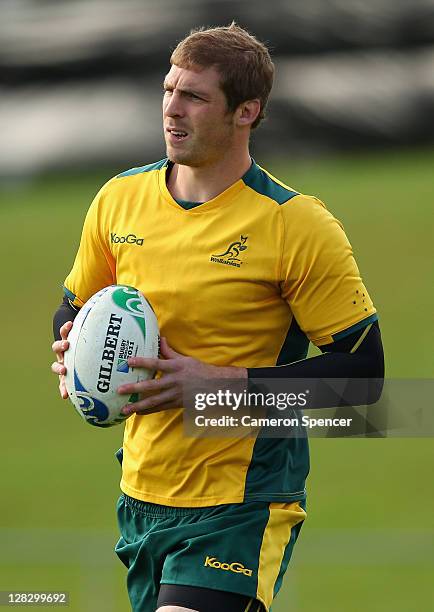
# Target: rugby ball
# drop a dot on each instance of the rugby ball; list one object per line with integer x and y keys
{"x": 114, "y": 324}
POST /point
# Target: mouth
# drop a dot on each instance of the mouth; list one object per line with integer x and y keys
{"x": 176, "y": 135}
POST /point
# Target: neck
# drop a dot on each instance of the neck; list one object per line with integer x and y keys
{"x": 201, "y": 184}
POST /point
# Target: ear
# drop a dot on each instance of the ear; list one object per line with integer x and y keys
{"x": 247, "y": 112}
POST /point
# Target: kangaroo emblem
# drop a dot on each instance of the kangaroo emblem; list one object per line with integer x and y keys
{"x": 234, "y": 249}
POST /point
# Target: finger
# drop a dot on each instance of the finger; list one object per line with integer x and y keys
{"x": 63, "y": 392}
{"x": 154, "y": 401}
{"x": 58, "y": 368}
{"x": 62, "y": 388}
{"x": 153, "y": 364}
{"x": 65, "y": 329}
{"x": 166, "y": 351}
{"x": 169, "y": 406}
{"x": 146, "y": 386}
{"x": 59, "y": 346}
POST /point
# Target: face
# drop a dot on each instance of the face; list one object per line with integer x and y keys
{"x": 198, "y": 129}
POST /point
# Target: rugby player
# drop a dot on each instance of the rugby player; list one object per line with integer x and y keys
{"x": 243, "y": 272}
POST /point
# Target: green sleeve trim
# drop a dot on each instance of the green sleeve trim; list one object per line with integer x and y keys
{"x": 354, "y": 328}
{"x": 69, "y": 294}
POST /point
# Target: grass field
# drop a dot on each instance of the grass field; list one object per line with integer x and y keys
{"x": 368, "y": 541}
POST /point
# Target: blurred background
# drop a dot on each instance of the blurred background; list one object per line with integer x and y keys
{"x": 351, "y": 120}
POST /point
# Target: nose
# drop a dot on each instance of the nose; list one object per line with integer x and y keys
{"x": 172, "y": 105}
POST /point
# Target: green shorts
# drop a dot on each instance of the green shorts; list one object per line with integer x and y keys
{"x": 239, "y": 548}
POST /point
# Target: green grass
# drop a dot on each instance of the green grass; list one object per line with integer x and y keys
{"x": 370, "y": 504}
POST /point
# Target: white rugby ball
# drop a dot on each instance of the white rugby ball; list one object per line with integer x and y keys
{"x": 114, "y": 324}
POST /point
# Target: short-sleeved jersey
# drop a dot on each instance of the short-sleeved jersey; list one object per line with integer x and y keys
{"x": 245, "y": 279}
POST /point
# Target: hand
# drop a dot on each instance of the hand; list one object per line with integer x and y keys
{"x": 59, "y": 347}
{"x": 166, "y": 392}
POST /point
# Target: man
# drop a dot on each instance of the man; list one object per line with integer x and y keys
{"x": 242, "y": 272}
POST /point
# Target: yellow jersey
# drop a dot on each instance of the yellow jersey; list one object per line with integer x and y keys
{"x": 245, "y": 279}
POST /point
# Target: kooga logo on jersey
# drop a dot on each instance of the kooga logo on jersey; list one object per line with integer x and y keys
{"x": 130, "y": 239}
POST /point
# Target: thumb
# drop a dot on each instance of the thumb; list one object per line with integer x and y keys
{"x": 166, "y": 351}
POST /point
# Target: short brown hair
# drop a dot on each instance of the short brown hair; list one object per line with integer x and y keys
{"x": 243, "y": 62}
